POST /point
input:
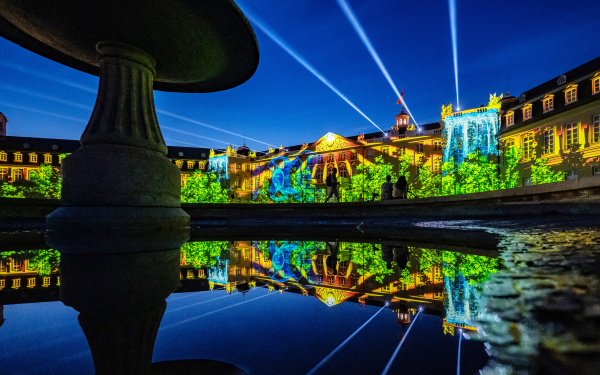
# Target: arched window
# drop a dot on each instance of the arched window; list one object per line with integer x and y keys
{"x": 330, "y": 158}
{"x": 319, "y": 174}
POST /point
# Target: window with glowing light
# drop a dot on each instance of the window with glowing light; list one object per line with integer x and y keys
{"x": 571, "y": 136}
{"x": 18, "y": 175}
{"x": 527, "y": 112}
{"x": 46, "y": 281}
{"x": 247, "y": 184}
{"x": 2, "y": 283}
{"x": 330, "y": 158}
{"x": 548, "y": 143}
{"x": 179, "y": 163}
{"x": 571, "y": 95}
{"x": 596, "y": 85}
{"x": 18, "y": 157}
{"x": 528, "y": 149}
{"x": 48, "y": 159}
{"x": 190, "y": 164}
{"x": 437, "y": 165}
{"x": 319, "y": 174}
{"x": 33, "y": 158}
{"x": 510, "y": 118}
{"x": 548, "y": 103}
{"x": 16, "y": 283}
{"x": 3, "y": 156}
{"x": 31, "y": 282}
{"x": 596, "y": 128}
{"x": 3, "y": 174}
{"x": 190, "y": 274}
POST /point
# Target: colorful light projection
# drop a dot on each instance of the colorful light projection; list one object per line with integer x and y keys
{"x": 281, "y": 174}
{"x": 218, "y": 274}
{"x": 219, "y": 165}
{"x": 468, "y": 131}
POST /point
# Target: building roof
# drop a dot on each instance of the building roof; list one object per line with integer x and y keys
{"x": 581, "y": 76}
{"x": 52, "y": 145}
{"x": 30, "y": 144}
{"x": 572, "y": 75}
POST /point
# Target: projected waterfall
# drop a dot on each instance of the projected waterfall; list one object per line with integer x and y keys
{"x": 472, "y": 130}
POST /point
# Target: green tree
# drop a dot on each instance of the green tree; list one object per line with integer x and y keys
{"x": 510, "y": 175}
{"x": 45, "y": 182}
{"x": 203, "y": 188}
{"x": 541, "y": 173}
{"x": 262, "y": 194}
{"x": 369, "y": 180}
{"x": 11, "y": 191}
{"x": 203, "y": 253}
{"x": 428, "y": 182}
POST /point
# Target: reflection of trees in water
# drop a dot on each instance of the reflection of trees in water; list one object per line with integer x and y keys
{"x": 205, "y": 253}
{"x": 43, "y": 261}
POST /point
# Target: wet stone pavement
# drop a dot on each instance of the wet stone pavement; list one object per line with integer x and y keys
{"x": 542, "y": 313}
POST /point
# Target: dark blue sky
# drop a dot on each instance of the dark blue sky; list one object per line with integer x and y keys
{"x": 514, "y": 45}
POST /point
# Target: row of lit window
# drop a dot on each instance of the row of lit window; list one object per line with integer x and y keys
{"x": 548, "y": 101}
{"x": 571, "y": 138}
{"x": 18, "y": 157}
{"x": 190, "y": 164}
{"x": 31, "y": 282}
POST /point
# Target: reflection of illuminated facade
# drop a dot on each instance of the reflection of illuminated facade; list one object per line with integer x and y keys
{"x": 20, "y": 281}
{"x": 342, "y": 280}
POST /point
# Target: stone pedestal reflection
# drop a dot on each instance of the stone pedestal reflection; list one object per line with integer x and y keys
{"x": 121, "y": 300}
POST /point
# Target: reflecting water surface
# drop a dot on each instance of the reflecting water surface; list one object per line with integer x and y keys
{"x": 264, "y": 306}
{"x": 309, "y": 307}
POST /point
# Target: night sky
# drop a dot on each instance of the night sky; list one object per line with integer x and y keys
{"x": 501, "y": 45}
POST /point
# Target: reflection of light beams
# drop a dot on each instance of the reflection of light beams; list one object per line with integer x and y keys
{"x": 452, "y": 11}
{"x": 46, "y": 97}
{"x": 29, "y": 109}
{"x": 197, "y": 303}
{"x": 365, "y": 39}
{"x": 389, "y": 364}
{"x": 212, "y": 312}
{"x": 287, "y": 48}
{"x": 208, "y": 126}
{"x": 22, "y": 69}
{"x": 458, "y": 361}
{"x": 320, "y": 364}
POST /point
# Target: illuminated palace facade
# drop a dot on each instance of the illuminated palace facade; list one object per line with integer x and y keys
{"x": 248, "y": 171}
{"x": 558, "y": 120}
{"x": 243, "y": 171}
{"x": 19, "y": 156}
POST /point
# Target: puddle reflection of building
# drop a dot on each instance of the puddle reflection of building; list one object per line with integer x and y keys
{"x": 327, "y": 272}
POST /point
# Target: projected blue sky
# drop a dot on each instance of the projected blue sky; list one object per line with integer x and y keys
{"x": 285, "y": 102}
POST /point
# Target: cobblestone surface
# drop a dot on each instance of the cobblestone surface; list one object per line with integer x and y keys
{"x": 542, "y": 310}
